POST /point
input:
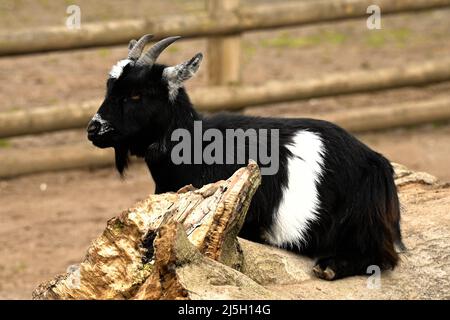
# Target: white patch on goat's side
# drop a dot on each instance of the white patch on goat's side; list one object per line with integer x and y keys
{"x": 300, "y": 199}
{"x": 105, "y": 126}
{"x": 117, "y": 69}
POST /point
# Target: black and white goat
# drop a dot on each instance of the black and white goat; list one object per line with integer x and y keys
{"x": 332, "y": 197}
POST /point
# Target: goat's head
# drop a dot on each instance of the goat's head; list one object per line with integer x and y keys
{"x": 140, "y": 98}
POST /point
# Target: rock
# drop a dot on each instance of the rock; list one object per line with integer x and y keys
{"x": 404, "y": 176}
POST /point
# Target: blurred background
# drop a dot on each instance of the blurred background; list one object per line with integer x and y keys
{"x": 321, "y": 59}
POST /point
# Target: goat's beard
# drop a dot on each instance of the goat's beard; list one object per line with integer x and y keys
{"x": 122, "y": 158}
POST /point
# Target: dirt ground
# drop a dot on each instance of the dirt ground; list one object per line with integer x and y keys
{"x": 48, "y": 220}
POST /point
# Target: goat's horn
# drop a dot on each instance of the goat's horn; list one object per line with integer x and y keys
{"x": 131, "y": 44}
{"x": 150, "y": 57}
{"x": 136, "y": 47}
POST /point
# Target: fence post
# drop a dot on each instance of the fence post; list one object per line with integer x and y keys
{"x": 224, "y": 52}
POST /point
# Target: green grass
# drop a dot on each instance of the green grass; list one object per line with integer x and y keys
{"x": 332, "y": 37}
{"x": 248, "y": 51}
{"x": 173, "y": 49}
{"x": 4, "y": 143}
{"x": 104, "y": 52}
{"x": 401, "y": 35}
{"x": 286, "y": 40}
{"x": 376, "y": 39}
{"x": 13, "y": 108}
{"x": 20, "y": 267}
{"x": 380, "y": 38}
{"x": 439, "y": 124}
{"x": 44, "y": 3}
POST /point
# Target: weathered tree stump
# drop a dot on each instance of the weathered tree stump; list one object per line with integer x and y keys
{"x": 192, "y": 232}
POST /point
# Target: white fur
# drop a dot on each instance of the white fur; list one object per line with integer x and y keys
{"x": 170, "y": 74}
{"x": 117, "y": 69}
{"x": 300, "y": 200}
{"x": 176, "y": 75}
{"x": 105, "y": 126}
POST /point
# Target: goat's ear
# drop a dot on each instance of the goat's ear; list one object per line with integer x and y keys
{"x": 176, "y": 75}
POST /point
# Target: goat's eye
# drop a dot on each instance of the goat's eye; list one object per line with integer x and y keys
{"x": 136, "y": 97}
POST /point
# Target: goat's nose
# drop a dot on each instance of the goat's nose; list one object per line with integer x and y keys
{"x": 93, "y": 127}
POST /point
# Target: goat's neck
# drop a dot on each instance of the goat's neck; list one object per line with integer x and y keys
{"x": 167, "y": 176}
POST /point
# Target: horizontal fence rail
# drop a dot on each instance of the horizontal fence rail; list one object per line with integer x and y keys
{"x": 40, "y": 120}
{"x": 391, "y": 116}
{"x": 34, "y": 160}
{"x": 244, "y": 18}
{"x": 82, "y": 155}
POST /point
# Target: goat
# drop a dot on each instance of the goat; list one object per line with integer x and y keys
{"x": 332, "y": 197}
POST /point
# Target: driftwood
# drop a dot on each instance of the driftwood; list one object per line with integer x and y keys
{"x": 196, "y": 254}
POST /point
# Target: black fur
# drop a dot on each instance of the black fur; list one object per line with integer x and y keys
{"x": 359, "y": 213}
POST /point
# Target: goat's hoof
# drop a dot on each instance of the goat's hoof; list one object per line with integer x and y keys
{"x": 325, "y": 274}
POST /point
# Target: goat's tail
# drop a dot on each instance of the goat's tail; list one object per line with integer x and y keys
{"x": 377, "y": 210}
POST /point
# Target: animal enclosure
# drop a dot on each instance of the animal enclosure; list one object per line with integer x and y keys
{"x": 296, "y": 59}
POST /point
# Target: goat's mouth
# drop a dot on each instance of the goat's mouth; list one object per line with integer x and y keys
{"x": 105, "y": 140}
{"x": 102, "y": 144}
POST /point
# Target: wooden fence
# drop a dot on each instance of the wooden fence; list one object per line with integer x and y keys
{"x": 80, "y": 155}
{"x": 223, "y": 24}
